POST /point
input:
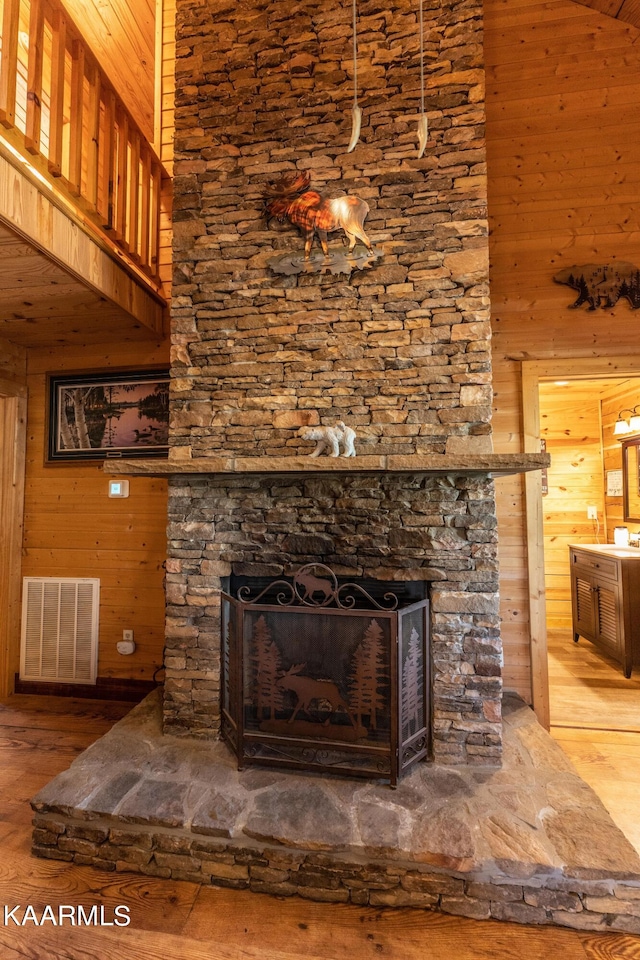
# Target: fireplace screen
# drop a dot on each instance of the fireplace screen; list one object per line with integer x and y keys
{"x": 325, "y": 676}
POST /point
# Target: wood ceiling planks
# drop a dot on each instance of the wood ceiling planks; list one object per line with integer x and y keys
{"x": 43, "y": 304}
{"x": 627, "y": 10}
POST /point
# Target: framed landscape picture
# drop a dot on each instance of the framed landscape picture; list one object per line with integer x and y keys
{"x": 99, "y": 416}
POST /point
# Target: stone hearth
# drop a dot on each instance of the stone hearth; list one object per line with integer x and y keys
{"x": 529, "y": 842}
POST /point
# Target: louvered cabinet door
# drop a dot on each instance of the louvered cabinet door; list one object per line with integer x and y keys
{"x": 607, "y": 609}
{"x": 584, "y": 622}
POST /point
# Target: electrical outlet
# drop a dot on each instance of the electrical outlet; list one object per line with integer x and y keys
{"x": 592, "y": 513}
{"x": 127, "y": 634}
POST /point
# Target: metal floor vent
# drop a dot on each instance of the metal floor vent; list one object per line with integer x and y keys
{"x": 59, "y": 629}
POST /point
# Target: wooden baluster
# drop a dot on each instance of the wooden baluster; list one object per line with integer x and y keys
{"x": 122, "y": 181}
{"x": 108, "y": 160}
{"x": 56, "y": 111}
{"x": 134, "y": 182}
{"x": 154, "y": 228}
{"x": 9, "y": 62}
{"x": 75, "y": 120}
{"x": 93, "y": 136}
{"x": 145, "y": 207}
{"x": 34, "y": 77}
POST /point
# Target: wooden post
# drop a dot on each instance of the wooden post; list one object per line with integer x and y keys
{"x": 93, "y": 136}
{"x": 75, "y": 121}
{"x": 133, "y": 188}
{"x": 154, "y": 220}
{"x": 34, "y": 78}
{"x": 535, "y": 552}
{"x": 56, "y": 109}
{"x": 9, "y": 62}
{"x": 122, "y": 180}
{"x": 108, "y": 160}
{"x": 13, "y": 420}
{"x": 145, "y": 208}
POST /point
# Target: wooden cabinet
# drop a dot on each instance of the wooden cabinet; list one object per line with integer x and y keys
{"x": 605, "y": 599}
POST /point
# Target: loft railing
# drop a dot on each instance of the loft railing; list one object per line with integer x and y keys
{"x": 58, "y": 108}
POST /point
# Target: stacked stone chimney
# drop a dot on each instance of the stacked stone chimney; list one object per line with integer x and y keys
{"x": 400, "y": 351}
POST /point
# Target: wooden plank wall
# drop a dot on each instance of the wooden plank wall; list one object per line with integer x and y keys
{"x": 563, "y": 101}
{"x": 72, "y": 529}
{"x": 570, "y": 424}
{"x": 121, "y": 34}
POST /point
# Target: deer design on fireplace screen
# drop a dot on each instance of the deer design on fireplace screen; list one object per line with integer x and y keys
{"x": 326, "y": 676}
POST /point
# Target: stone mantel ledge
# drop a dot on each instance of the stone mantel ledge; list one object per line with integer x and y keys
{"x": 488, "y": 464}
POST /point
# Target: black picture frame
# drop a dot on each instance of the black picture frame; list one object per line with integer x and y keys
{"x": 91, "y": 415}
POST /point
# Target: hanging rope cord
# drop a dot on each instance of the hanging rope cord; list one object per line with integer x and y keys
{"x": 355, "y": 58}
{"x": 421, "y": 57}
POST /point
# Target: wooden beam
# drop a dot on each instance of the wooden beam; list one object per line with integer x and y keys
{"x": 630, "y": 12}
{"x": 627, "y": 11}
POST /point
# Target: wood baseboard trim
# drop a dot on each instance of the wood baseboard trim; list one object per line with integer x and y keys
{"x": 105, "y": 688}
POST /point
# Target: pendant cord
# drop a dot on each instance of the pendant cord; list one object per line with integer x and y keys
{"x": 421, "y": 58}
{"x": 355, "y": 58}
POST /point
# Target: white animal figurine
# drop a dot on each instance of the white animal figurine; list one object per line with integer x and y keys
{"x": 330, "y": 439}
{"x": 348, "y": 439}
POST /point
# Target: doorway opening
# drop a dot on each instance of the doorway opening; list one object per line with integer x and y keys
{"x": 592, "y": 709}
{"x": 583, "y": 504}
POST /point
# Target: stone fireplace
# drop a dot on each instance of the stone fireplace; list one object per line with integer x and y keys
{"x": 436, "y": 530}
{"x": 399, "y": 351}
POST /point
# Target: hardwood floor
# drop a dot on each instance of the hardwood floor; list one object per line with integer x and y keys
{"x": 588, "y": 689}
{"x": 595, "y": 717}
{"x": 180, "y": 921}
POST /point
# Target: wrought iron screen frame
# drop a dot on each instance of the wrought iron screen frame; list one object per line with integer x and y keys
{"x": 392, "y": 755}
